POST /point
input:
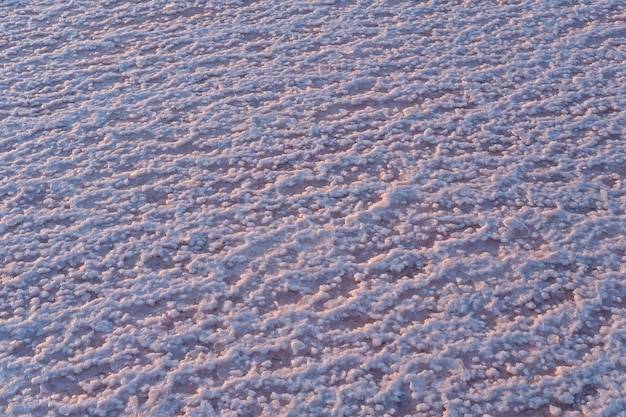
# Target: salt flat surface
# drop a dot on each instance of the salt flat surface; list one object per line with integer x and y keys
{"x": 313, "y": 208}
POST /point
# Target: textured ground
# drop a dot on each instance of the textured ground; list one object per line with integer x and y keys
{"x": 304, "y": 208}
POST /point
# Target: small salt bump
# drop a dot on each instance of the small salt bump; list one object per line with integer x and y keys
{"x": 296, "y": 346}
{"x": 517, "y": 227}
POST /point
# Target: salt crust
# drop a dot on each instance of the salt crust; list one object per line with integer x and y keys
{"x": 262, "y": 208}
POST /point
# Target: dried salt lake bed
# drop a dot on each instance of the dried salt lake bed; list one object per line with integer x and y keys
{"x": 321, "y": 208}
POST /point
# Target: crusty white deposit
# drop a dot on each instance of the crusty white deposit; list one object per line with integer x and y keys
{"x": 313, "y": 208}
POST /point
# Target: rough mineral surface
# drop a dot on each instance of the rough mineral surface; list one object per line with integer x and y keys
{"x": 313, "y": 208}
